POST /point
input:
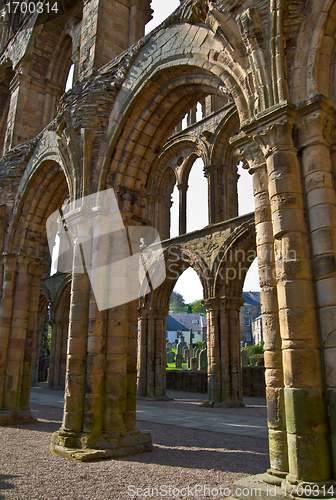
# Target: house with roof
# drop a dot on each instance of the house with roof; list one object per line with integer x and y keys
{"x": 184, "y": 322}
{"x": 257, "y": 332}
{"x": 248, "y": 313}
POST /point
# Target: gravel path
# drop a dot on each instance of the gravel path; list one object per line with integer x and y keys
{"x": 181, "y": 458}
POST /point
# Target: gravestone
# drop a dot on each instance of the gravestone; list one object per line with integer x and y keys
{"x": 168, "y": 346}
{"x": 188, "y": 354}
{"x": 193, "y": 364}
{"x": 203, "y": 360}
{"x": 180, "y": 345}
{"x": 170, "y": 357}
{"x": 178, "y": 361}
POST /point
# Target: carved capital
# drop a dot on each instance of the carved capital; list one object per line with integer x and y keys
{"x": 183, "y": 186}
{"x": 272, "y": 129}
{"x": 316, "y": 123}
{"x": 248, "y": 151}
{"x": 210, "y": 171}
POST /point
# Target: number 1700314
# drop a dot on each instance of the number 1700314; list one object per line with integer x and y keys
{"x": 32, "y": 7}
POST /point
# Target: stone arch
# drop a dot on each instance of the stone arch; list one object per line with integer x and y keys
{"x": 178, "y": 157}
{"x": 42, "y": 191}
{"x": 159, "y": 123}
{"x": 153, "y": 312}
{"x": 314, "y": 54}
{"x": 223, "y": 307}
{"x": 160, "y": 87}
{"x": 47, "y": 171}
{"x": 45, "y": 193}
{"x": 234, "y": 260}
{"x": 222, "y": 171}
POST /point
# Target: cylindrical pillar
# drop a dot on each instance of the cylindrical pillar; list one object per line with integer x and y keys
{"x": 306, "y": 419}
{"x": 271, "y": 330}
{"x": 317, "y": 170}
{"x": 142, "y": 353}
{"x": 182, "y": 207}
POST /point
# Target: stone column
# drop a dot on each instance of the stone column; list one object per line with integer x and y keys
{"x": 182, "y": 207}
{"x": 74, "y": 396}
{"x": 278, "y": 450}
{"x": 160, "y": 353}
{"x": 271, "y": 330}
{"x": 99, "y": 413}
{"x": 211, "y": 173}
{"x": 52, "y": 357}
{"x": 35, "y": 269}
{"x": 152, "y": 353}
{"x": 142, "y": 353}
{"x": 224, "y": 365}
{"x": 65, "y": 327}
{"x": 37, "y": 356}
{"x": 316, "y": 131}
{"x": 233, "y": 306}
{"x": 133, "y": 24}
{"x": 19, "y": 304}
{"x": 306, "y": 420}
{"x": 57, "y": 328}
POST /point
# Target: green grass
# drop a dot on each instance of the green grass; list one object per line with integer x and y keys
{"x": 171, "y": 366}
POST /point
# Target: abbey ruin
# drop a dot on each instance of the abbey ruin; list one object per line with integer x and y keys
{"x": 264, "y": 73}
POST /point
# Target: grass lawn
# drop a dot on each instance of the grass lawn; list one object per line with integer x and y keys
{"x": 171, "y": 366}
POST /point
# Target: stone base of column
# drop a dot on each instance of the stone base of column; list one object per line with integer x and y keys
{"x": 275, "y": 477}
{"x": 16, "y": 417}
{"x": 223, "y": 404}
{"x": 261, "y": 486}
{"x": 78, "y": 447}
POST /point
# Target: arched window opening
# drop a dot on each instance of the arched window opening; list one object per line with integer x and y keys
{"x": 250, "y": 312}
{"x": 70, "y": 78}
{"x": 245, "y": 191}
{"x": 186, "y": 323}
{"x": 185, "y": 122}
{"x": 174, "y": 213}
{"x": 54, "y": 256}
{"x": 199, "y": 112}
{"x": 197, "y": 198}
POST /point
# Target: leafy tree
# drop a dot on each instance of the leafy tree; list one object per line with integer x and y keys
{"x": 255, "y": 353}
{"x": 177, "y": 303}
{"x": 196, "y": 307}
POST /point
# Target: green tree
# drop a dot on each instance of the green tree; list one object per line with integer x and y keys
{"x": 177, "y": 303}
{"x": 196, "y": 307}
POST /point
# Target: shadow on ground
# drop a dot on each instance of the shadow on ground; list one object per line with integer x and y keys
{"x": 194, "y": 449}
{"x": 5, "y": 484}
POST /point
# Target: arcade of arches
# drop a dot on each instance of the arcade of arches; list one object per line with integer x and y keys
{"x": 264, "y": 76}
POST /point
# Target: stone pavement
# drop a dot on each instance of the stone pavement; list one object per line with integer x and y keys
{"x": 216, "y": 422}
